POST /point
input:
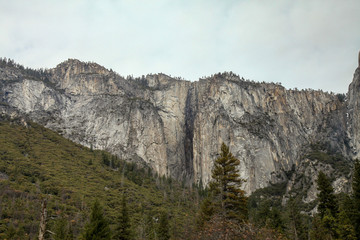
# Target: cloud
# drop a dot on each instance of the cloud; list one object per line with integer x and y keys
{"x": 304, "y": 44}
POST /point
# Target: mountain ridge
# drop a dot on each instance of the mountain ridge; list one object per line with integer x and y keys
{"x": 176, "y": 126}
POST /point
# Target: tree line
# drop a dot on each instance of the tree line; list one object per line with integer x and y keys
{"x": 224, "y": 213}
{"x": 223, "y": 209}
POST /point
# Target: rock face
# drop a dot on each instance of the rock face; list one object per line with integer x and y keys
{"x": 354, "y": 114}
{"x": 177, "y": 126}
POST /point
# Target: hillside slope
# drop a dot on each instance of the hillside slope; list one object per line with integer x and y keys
{"x": 37, "y": 163}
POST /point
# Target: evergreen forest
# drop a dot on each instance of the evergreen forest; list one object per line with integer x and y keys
{"x": 53, "y": 188}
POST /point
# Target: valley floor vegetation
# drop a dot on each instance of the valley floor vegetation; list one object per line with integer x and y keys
{"x": 52, "y": 188}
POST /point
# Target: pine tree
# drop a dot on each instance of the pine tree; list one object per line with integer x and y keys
{"x": 163, "y": 230}
{"x": 226, "y": 186}
{"x": 318, "y": 231}
{"x": 262, "y": 213}
{"x": 326, "y": 195}
{"x": 327, "y": 206}
{"x": 123, "y": 231}
{"x": 105, "y": 159}
{"x": 328, "y": 221}
{"x": 345, "y": 229}
{"x": 295, "y": 220}
{"x": 275, "y": 221}
{"x": 61, "y": 230}
{"x": 98, "y": 227}
{"x": 206, "y": 212}
{"x": 149, "y": 228}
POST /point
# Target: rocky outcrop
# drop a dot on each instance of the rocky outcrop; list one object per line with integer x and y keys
{"x": 354, "y": 114}
{"x": 265, "y": 125}
{"x": 177, "y": 126}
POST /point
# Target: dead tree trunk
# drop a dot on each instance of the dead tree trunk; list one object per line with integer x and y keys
{"x": 42, "y": 220}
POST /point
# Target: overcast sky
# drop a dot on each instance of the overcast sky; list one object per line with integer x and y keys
{"x": 300, "y": 43}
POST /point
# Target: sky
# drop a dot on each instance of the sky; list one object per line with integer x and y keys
{"x": 299, "y": 43}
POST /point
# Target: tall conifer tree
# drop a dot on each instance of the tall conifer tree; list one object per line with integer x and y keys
{"x": 149, "y": 228}
{"x": 295, "y": 220}
{"x": 226, "y": 186}
{"x": 163, "y": 230}
{"x": 61, "y": 229}
{"x": 123, "y": 231}
{"x": 326, "y": 195}
{"x": 206, "y": 212}
{"x": 98, "y": 227}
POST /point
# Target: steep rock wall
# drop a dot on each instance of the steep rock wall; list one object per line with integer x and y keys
{"x": 177, "y": 126}
{"x": 265, "y": 125}
{"x": 354, "y": 114}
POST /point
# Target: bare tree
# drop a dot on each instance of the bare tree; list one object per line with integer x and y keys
{"x": 42, "y": 220}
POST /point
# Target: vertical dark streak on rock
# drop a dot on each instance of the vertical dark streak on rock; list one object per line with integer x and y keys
{"x": 190, "y": 112}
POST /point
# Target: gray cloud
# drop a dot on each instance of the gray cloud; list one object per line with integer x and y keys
{"x": 300, "y": 43}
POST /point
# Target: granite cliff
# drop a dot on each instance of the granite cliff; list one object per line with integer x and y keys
{"x": 177, "y": 126}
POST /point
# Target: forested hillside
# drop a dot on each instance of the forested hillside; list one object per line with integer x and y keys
{"x": 90, "y": 192}
{"x": 38, "y": 164}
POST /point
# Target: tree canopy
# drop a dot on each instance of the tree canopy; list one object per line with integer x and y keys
{"x": 327, "y": 201}
{"x": 98, "y": 227}
{"x": 356, "y": 198}
{"x": 123, "y": 231}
